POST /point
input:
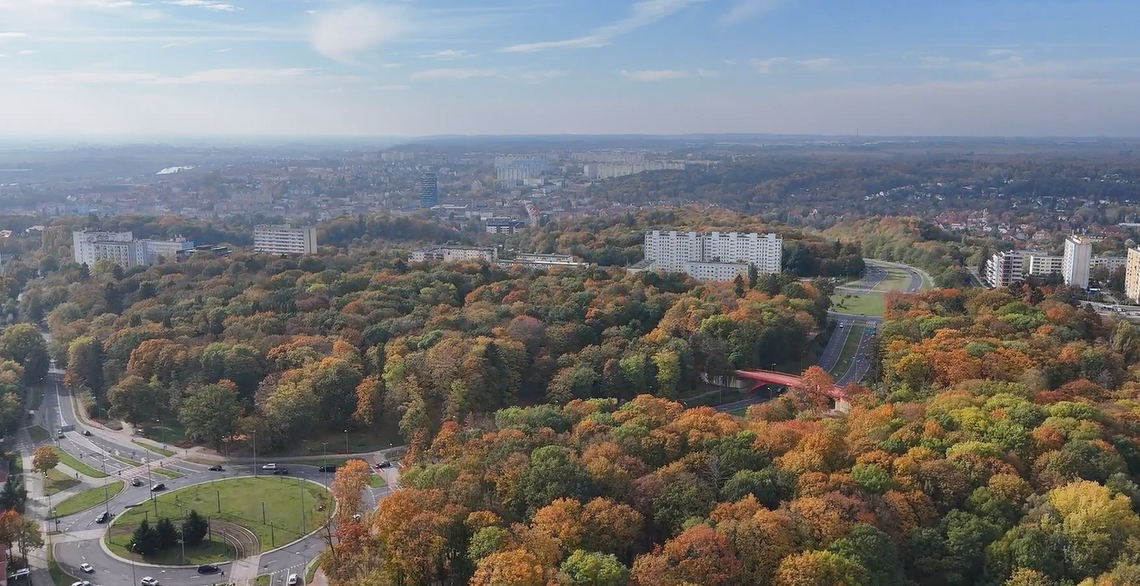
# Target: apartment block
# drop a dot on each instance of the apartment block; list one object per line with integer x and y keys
{"x": 122, "y": 249}
{"x": 1132, "y": 275}
{"x": 83, "y": 244}
{"x": 717, "y": 256}
{"x": 283, "y": 239}
{"x": 1077, "y": 261}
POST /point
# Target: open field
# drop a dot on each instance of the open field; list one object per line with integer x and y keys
{"x": 38, "y": 434}
{"x": 868, "y": 304}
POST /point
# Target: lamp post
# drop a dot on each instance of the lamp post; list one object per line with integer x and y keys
{"x": 325, "y": 459}
{"x": 163, "y": 428}
{"x": 255, "y": 453}
{"x": 106, "y": 495}
{"x": 304, "y": 568}
{"x": 346, "y": 450}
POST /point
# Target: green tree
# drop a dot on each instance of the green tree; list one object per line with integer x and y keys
{"x": 28, "y": 535}
{"x": 167, "y": 533}
{"x": 594, "y": 569}
{"x": 553, "y": 473}
{"x": 194, "y": 528}
{"x": 210, "y": 413}
{"x": 146, "y": 540}
{"x": 85, "y": 364}
{"x": 134, "y": 400}
{"x": 873, "y": 550}
{"x": 24, "y": 344}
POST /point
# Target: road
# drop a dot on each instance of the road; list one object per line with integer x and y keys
{"x": 79, "y": 537}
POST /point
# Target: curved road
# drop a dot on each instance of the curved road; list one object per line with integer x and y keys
{"x": 78, "y": 540}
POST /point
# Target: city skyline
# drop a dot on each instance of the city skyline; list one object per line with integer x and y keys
{"x": 91, "y": 68}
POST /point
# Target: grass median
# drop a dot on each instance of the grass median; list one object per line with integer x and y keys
{"x": 38, "y": 434}
{"x": 88, "y": 499}
{"x": 869, "y": 304}
{"x": 270, "y": 507}
{"x": 56, "y": 482}
{"x": 75, "y": 464}
{"x": 155, "y": 449}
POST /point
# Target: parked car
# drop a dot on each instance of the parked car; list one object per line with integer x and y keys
{"x": 280, "y": 471}
{"x": 269, "y": 467}
{"x": 148, "y": 581}
{"x": 81, "y": 583}
{"x": 86, "y": 567}
{"x": 327, "y": 469}
{"x": 158, "y": 487}
{"x": 207, "y": 569}
{"x": 216, "y": 468}
{"x": 293, "y": 580}
{"x": 21, "y": 573}
{"x": 136, "y": 481}
{"x": 104, "y": 517}
{"x": 384, "y": 464}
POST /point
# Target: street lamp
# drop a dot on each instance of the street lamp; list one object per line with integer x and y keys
{"x": 304, "y": 568}
{"x": 163, "y": 428}
{"x": 325, "y": 458}
{"x": 106, "y": 495}
{"x": 346, "y": 450}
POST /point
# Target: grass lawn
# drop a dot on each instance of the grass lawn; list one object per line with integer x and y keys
{"x": 869, "y": 305}
{"x": 127, "y": 461}
{"x": 359, "y": 442}
{"x": 164, "y": 472}
{"x": 850, "y": 348}
{"x": 155, "y": 449}
{"x": 244, "y": 501}
{"x": 74, "y": 463}
{"x": 38, "y": 434}
{"x": 86, "y": 500}
{"x": 377, "y": 481}
{"x": 263, "y": 580}
{"x": 57, "y": 482}
{"x": 167, "y": 433}
{"x": 338, "y": 462}
{"x": 897, "y": 280}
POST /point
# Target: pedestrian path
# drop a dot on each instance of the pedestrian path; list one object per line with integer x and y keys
{"x": 244, "y": 571}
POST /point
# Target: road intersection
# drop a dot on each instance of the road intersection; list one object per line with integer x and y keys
{"x": 77, "y": 539}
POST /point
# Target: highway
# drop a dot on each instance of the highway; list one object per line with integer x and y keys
{"x": 80, "y": 538}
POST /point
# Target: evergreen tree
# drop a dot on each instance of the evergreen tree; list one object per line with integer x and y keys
{"x": 146, "y": 540}
{"x": 194, "y": 529}
{"x": 167, "y": 533}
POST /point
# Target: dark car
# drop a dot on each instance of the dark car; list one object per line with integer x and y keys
{"x": 103, "y": 517}
{"x": 207, "y": 569}
{"x": 384, "y": 464}
{"x": 327, "y": 469}
{"x": 87, "y": 432}
{"x": 216, "y": 468}
{"x": 158, "y": 487}
{"x": 280, "y": 471}
{"x": 136, "y": 481}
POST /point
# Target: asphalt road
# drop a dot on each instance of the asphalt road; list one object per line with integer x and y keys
{"x": 79, "y": 538}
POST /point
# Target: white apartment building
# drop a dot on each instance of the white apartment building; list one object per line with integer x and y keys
{"x": 1076, "y": 261}
{"x": 718, "y": 256}
{"x": 1040, "y": 265}
{"x": 1109, "y": 263}
{"x": 166, "y": 249}
{"x": 514, "y": 168}
{"x": 611, "y": 170}
{"x": 1006, "y": 268}
{"x": 1132, "y": 275}
{"x": 453, "y": 254}
{"x": 125, "y": 254}
{"x": 83, "y": 244}
{"x": 283, "y": 239}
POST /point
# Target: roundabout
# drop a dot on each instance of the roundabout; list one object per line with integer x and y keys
{"x": 246, "y": 516}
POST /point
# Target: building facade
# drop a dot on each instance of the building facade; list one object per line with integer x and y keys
{"x": 514, "y": 168}
{"x": 1006, "y": 268}
{"x": 717, "y": 256}
{"x": 1132, "y": 275}
{"x": 282, "y": 239}
{"x": 1076, "y": 261}
{"x": 429, "y": 190}
{"x": 453, "y": 254}
{"x": 1108, "y": 263}
{"x": 83, "y": 244}
{"x": 1040, "y": 265}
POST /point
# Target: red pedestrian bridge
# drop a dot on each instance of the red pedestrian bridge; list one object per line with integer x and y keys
{"x": 759, "y": 378}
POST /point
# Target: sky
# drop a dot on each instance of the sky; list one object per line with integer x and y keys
{"x": 151, "y": 68}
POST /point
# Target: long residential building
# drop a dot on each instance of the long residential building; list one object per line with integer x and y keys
{"x": 122, "y": 249}
{"x": 284, "y": 239}
{"x": 716, "y": 256}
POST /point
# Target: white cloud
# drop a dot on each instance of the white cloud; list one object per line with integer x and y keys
{"x": 537, "y": 77}
{"x": 1001, "y": 52}
{"x": 393, "y": 87}
{"x": 822, "y": 64}
{"x": 226, "y": 50}
{"x": 341, "y": 33}
{"x": 2, "y": 55}
{"x": 449, "y": 55}
{"x": 745, "y": 9}
{"x": 654, "y": 74}
{"x": 708, "y": 73}
{"x": 28, "y": 52}
{"x": 12, "y": 36}
{"x": 392, "y": 65}
{"x": 641, "y": 14}
{"x": 730, "y": 61}
{"x": 765, "y": 65}
{"x": 932, "y": 62}
{"x": 455, "y": 74}
{"x": 207, "y": 4}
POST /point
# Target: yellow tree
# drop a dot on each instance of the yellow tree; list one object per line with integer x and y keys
{"x": 348, "y": 487}
{"x": 814, "y": 394}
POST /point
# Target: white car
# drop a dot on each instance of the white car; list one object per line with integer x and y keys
{"x": 81, "y": 583}
{"x": 269, "y": 467}
{"x": 147, "y": 581}
{"x": 293, "y": 580}
{"x": 87, "y": 568}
